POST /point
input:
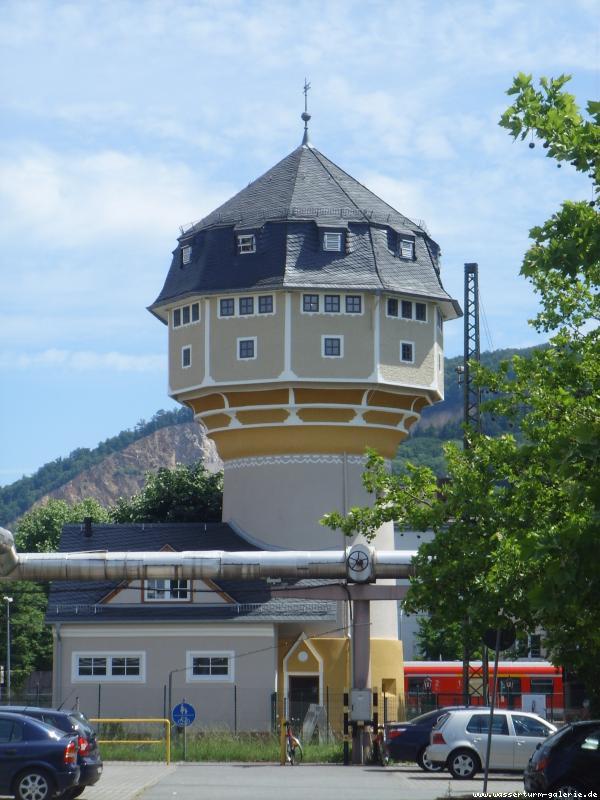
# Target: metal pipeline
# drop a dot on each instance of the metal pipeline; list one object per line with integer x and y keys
{"x": 214, "y": 564}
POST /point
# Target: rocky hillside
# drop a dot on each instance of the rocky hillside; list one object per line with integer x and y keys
{"x": 122, "y": 474}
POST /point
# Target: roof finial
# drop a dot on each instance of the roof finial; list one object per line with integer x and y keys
{"x": 305, "y": 115}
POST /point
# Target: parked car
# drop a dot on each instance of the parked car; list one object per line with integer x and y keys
{"x": 459, "y": 740}
{"x": 567, "y": 762}
{"x": 74, "y": 722}
{"x": 408, "y": 741}
{"x": 37, "y": 761}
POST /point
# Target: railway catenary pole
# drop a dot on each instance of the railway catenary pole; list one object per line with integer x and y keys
{"x": 358, "y": 567}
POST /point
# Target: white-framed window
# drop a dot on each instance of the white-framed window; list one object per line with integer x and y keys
{"x": 407, "y": 352}
{"x": 159, "y": 590}
{"x": 406, "y": 309}
{"x": 186, "y": 356}
{"x": 186, "y": 255}
{"x": 353, "y": 304}
{"x": 246, "y": 306}
{"x": 246, "y": 243}
{"x": 332, "y": 241}
{"x": 421, "y": 312}
{"x": 226, "y": 307}
{"x": 392, "y": 307}
{"x": 332, "y": 346}
{"x": 98, "y": 667}
{"x": 246, "y": 348}
{"x": 186, "y": 315}
{"x": 407, "y": 248}
{"x": 331, "y": 304}
{"x": 310, "y": 303}
{"x": 439, "y": 319}
{"x": 211, "y": 666}
{"x": 265, "y": 304}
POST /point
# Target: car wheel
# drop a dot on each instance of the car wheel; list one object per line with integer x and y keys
{"x": 33, "y": 784}
{"x": 463, "y": 764}
{"x": 426, "y": 764}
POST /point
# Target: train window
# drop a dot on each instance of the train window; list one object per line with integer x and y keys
{"x": 510, "y": 686}
{"x": 542, "y": 686}
{"x": 420, "y": 685}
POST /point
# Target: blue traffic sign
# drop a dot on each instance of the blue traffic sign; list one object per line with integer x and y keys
{"x": 183, "y": 714}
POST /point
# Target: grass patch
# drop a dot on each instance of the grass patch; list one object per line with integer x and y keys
{"x": 220, "y": 746}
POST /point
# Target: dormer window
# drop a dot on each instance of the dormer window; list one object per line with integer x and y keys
{"x": 332, "y": 241}
{"x": 186, "y": 255}
{"x": 246, "y": 243}
{"x": 407, "y": 248}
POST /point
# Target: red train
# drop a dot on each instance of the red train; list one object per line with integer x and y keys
{"x": 529, "y": 685}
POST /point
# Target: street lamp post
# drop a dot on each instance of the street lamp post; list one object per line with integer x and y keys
{"x": 8, "y": 601}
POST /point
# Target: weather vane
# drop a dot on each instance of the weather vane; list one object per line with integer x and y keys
{"x": 305, "y": 115}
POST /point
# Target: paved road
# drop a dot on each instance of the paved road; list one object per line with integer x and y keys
{"x": 314, "y": 782}
{"x": 124, "y": 780}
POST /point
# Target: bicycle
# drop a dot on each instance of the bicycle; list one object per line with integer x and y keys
{"x": 293, "y": 748}
{"x": 378, "y": 753}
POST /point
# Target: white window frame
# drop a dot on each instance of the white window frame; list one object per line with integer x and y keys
{"x": 401, "y": 252}
{"x": 246, "y": 243}
{"x": 405, "y": 360}
{"x": 189, "y": 662}
{"x": 191, "y": 321}
{"x": 168, "y": 598}
{"x": 252, "y": 300}
{"x": 186, "y": 254}
{"x": 332, "y": 241}
{"x": 109, "y": 656}
{"x": 392, "y": 316}
{"x": 319, "y": 303}
{"x": 361, "y": 302}
{"x": 227, "y": 299}
{"x": 183, "y": 349}
{"x": 401, "y": 310}
{"x": 332, "y": 297}
{"x": 420, "y": 321}
{"x": 241, "y": 339}
{"x": 332, "y": 336}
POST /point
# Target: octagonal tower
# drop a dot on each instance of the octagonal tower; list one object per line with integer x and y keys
{"x": 305, "y": 320}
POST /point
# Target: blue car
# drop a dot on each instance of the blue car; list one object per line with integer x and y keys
{"x": 37, "y": 761}
{"x": 407, "y": 741}
{"x": 88, "y": 752}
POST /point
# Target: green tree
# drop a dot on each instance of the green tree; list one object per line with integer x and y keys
{"x": 38, "y": 531}
{"x": 517, "y": 526}
{"x": 182, "y": 494}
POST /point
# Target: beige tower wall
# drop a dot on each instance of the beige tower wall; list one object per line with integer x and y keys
{"x": 279, "y": 500}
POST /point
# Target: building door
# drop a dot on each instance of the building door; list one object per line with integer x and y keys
{"x": 302, "y": 691}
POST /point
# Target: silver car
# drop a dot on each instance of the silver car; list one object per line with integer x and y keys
{"x": 459, "y": 740}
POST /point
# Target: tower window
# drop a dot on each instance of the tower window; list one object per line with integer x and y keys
{"x": 246, "y": 305}
{"x": 332, "y": 346}
{"x": 332, "y": 241}
{"x": 185, "y": 315}
{"x": 186, "y": 357}
{"x": 186, "y": 255}
{"x": 421, "y": 312}
{"x": 407, "y": 352}
{"x": 265, "y": 304}
{"x": 176, "y": 317}
{"x": 406, "y": 309}
{"x": 439, "y": 319}
{"x": 227, "y": 307}
{"x": 310, "y": 302}
{"x": 247, "y": 348}
{"x": 392, "y": 307}
{"x": 407, "y": 248}
{"x": 353, "y": 304}
{"x": 332, "y": 303}
{"x": 246, "y": 243}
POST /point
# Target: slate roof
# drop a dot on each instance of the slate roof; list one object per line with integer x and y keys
{"x": 286, "y": 208}
{"x": 83, "y": 602}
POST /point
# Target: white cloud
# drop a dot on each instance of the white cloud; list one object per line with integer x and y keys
{"x": 68, "y": 199}
{"x": 84, "y": 361}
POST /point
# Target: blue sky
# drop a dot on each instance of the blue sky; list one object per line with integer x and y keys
{"x": 123, "y": 120}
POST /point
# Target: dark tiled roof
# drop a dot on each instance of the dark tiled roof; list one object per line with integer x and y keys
{"x": 74, "y": 601}
{"x": 285, "y": 208}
